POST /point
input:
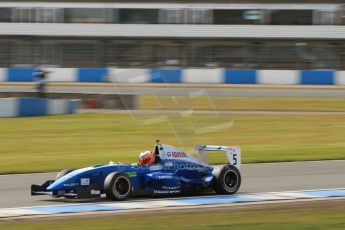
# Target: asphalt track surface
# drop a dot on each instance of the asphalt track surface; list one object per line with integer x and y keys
{"x": 186, "y": 90}
{"x": 265, "y": 177}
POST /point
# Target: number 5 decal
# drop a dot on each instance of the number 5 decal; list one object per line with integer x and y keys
{"x": 234, "y": 156}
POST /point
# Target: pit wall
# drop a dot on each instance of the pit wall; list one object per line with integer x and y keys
{"x": 177, "y": 75}
{"x": 23, "y": 107}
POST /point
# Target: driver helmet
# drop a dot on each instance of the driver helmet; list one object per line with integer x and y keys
{"x": 147, "y": 158}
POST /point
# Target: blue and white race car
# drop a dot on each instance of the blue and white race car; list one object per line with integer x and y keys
{"x": 165, "y": 171}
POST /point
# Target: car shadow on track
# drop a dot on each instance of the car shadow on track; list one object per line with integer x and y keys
{"x": 133, "y": 199}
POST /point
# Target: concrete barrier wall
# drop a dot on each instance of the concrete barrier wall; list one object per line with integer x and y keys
{"x": 23, "y": 107}
{"x": 8, "y": 107}
{"x": 62, "y": 75}
{"x": 128, "y": 75}
{"x": 280, "y": 77}
{"x": 166, "y": 75}
{"x": 317, "y": 77}
{"x": 240, "y": 77}
{"x": 3, "y": 74}
{"x": 340, "y": 78}
{"x": 87, "y": 100}
{"x": 202, "y": 75}
{"x": 177, "y": 75}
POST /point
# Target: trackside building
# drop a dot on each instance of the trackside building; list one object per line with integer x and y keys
{"x": 251, "y": 42}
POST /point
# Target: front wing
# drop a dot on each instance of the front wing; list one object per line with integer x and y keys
{"x": 92, "y": 191}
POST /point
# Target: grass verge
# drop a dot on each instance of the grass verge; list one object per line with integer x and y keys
{"x": 38, "y": 144}
{"x": 316, "y": 216}
{"x": 243, "y": 103}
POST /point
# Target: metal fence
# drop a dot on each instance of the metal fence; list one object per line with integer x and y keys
{"x": 173, "y": 53}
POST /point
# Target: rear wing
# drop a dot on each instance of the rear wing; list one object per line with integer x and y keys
{"x": 233, "y": 153}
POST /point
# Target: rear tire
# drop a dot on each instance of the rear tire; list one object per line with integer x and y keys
{"x": 118, "y": 186}
{"x": 63, "y": 173}
{"x": 227, "y": 179}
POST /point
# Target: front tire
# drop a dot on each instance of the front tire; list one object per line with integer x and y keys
{"x": 63, "y": 173}
{"x": 118, "y": 186}
{"x": 227, "y": 179}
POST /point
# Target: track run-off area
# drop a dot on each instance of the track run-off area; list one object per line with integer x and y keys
{"x": 184, "y": 89}
{"x": 263, "y": 182}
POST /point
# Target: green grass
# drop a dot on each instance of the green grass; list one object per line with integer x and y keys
{"x": 39, "y": 144}
{"x": 300, "y": 217}
{"x": 243, "y": 103}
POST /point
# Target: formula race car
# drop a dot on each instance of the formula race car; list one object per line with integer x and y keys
{"x": 165, "y": 171}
